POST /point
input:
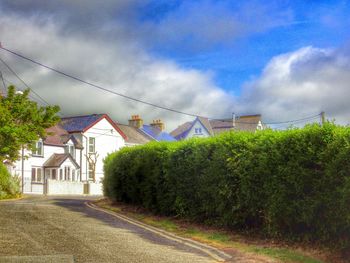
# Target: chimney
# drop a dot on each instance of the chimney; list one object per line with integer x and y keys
{"x": 136, "y": 121}
{"x": 158, "y": 124}
{"x": 233, "y": 120}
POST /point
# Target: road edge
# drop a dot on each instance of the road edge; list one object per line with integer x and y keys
{"x": 209, "y": 250}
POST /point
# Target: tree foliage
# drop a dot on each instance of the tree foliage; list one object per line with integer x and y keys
{"x": 22, "y": 122}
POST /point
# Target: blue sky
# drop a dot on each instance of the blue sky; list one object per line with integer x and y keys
{"x": 236, "y": 59}
{"x": 283, "y": 59}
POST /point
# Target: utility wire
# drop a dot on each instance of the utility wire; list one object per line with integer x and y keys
{"x": 129, "y": 97}
{"x": 11, "y": 83}
{"x": 97, "y": 86}
{"x": 25, "y": 84}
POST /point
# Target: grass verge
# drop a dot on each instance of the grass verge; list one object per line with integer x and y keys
{"x": 218, "y": 238}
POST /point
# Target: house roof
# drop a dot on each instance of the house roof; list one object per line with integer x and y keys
{"x": 242, "y": 123}
{"x": 57, "y": 159}
{"x": 157, "y": 134}
{"x": 83, "y": 123}
{"x": 247, "y": 122}
{"x": 180, "y": 132}
{"x": 134, "y": 135}
{"x": 56, "y": 135}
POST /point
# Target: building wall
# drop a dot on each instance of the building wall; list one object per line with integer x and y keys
{"x": 192, "y": 133}
{"x": 107, "y": 140}
{"x": 34, "y": 161}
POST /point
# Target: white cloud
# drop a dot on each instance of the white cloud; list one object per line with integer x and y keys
{"x": 120, "y": 65}
{"x": 300, "y": 83}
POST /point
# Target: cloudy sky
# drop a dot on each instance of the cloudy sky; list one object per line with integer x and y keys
{"x": 283, "y": 59}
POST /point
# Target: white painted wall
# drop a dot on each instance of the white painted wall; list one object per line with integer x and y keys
{"x": 192, "y": 133}
{"x": 95, "y": 188}
{"x": 107, "y": 140}
{"x": 55, "y": 187}
{"x": 34, "y": 161}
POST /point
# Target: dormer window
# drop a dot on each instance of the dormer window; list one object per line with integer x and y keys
{"x": 39, "y": 149}
{"x": 71, "y": 150}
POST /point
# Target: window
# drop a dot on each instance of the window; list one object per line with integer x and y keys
{"x": 91, "y": 144}
{"x": 37, "y": 173}
{"x": 67, "y": 173}
{"x": 198, "y": 130}
{"x": 91, "y": 171}
{"x": 53, "y": 174}
{"x": 61, "y": 174}
{"x": 73, "y": 174}
{"x": 39, "y": 149}
{"x": 48, "y": 173}
{"x": 71, "y": 150}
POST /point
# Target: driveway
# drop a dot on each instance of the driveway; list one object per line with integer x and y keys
{"x": 57, "y": 229}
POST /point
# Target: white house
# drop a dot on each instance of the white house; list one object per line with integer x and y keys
{"x": 70, "y": 159}
{"x": 203, "y": 127}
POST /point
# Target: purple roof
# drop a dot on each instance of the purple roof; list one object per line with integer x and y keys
{"x": 157, "y": 133}
{"x": 79, "y": 123}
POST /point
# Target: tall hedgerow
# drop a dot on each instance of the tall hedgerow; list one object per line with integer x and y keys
{"x": 292, "y": 184}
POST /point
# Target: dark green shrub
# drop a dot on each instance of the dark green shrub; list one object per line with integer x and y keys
{"x": 292, "y": 184}
{"x": 9, "y": 185}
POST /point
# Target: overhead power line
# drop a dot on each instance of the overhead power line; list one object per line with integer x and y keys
{"x": 97, "y": 86}
{"x": 11, "y": 83}
{"x": 25, "y": 84}
{"x": 129, "y": 97}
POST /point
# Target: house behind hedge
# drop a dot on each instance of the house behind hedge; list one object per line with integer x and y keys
{"x": 204, "y": 127}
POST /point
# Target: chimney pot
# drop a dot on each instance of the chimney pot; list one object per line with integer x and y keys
{"x": 158, "y": 124}
{"x": 136, "y": 121}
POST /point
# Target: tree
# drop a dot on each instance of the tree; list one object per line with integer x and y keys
{"x": 92, "y": 160}
{"x": 22, "y": 122}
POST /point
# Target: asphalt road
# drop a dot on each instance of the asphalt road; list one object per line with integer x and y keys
{"x": 40, "y": 229}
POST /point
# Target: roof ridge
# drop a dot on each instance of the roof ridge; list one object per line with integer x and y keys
{"x": 87, "y": 115}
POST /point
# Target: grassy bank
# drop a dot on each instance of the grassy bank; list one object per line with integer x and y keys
{"x": 247, "y": 245}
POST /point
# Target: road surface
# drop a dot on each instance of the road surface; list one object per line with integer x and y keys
{"x": 57, "y": 229}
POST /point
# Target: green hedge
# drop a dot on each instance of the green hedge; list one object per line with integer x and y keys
{"x": 9, "y": 185}
{"x": 292, "y": 184}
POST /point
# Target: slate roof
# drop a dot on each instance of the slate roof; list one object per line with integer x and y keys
{"x": 56, "y": 135}
{"x": 242, "y": 123}
{"x": 134, "y": 135}
{"x": 157, "y": 134}
{"x": 180, "y": 132}
{"x": 57, "y": 159}
{"x": 83, "y": 123}
{"x": 80, "y": 123}
{"x": 247, "y": 122}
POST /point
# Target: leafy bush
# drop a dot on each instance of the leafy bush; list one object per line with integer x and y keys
{"x": 292, "y": 184}
{"x": 9, "y": 185}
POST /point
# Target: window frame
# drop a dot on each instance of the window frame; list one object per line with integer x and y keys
{"x": 91, "y": 144}
{"x": 35, "y": 152}
{"x": 36, "y": 169}
{"x": 198, "y": 130}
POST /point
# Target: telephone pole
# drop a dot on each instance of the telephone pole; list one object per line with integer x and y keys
{"x": 3, "y": 83}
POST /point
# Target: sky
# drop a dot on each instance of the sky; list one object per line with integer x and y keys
{"x": 283, "y": 59}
